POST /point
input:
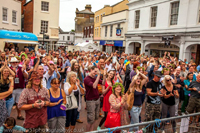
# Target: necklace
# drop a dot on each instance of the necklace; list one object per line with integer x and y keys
{"x": 54, "y": 90}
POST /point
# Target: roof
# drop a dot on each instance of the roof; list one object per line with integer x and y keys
{"x": 5, "y": 34}
{"x": 65, "y": 32}
{"x": 85, "y": 12}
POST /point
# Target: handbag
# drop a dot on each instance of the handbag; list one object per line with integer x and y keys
{"x": 71, "y": 102}
{"x": 113, "y": 120}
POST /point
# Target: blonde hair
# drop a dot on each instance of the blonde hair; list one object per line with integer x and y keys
{"x": 69, "y": 75}
{"x": 166, "y": 77}
{"x": 29, "y": 84}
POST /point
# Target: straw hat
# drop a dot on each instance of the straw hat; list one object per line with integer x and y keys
{"x": 14, "y": 59}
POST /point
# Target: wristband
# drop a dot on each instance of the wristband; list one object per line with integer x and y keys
{"x": 33, "y": 105}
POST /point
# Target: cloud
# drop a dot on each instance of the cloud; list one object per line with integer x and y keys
{"x": 68, "y": 8}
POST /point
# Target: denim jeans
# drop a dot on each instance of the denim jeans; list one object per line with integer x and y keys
{"x": 135, "y": 113}
{"x": 9, "y": 105}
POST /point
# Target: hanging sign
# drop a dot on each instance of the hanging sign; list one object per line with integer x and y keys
{"x": 118, "y": 32}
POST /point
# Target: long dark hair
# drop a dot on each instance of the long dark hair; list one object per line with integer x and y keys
{"x": 78, "y": 73}
{"x": 112, "y": 79}
{"x": 187, "y": 77}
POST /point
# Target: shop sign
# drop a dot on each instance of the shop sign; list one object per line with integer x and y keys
{"x": 118, "y": 32}
{"x": 109, "y": 43}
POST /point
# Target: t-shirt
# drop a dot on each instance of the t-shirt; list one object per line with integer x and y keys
{"x": 155, "y": 87}
{"x": 91, "y": 93}
{"x": 195, "y": 84}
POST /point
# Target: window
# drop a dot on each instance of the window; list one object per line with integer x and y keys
{"x": 91, "y": 30}
{"x": 45, "y": 6}
{"x": 63, "y": 38}
{"x": 153, "y": 16}
{"x": 199, "y": 15}
{"x": 97, "y": 32}
{"x": 111, "y": 30}
{"x": 174, "y": 13}
{"x": 101, "y": 17}
{"x": 68, "y": 38}
{"x": 100, "y": 32}
{"x": 14, "y": 16}
{"x": 106, "y": 28}
{"x": 137, "y": 18}
{"x": 44, "y": 26}
{"x": 5, "y": 14}
{"x": 27, "y": 1}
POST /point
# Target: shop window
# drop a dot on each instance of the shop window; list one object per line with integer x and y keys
{"x": 153, "y": 16}
{"x": 44, "y": 26}
{"x": 14, "y": 16}
{"x": 174, "y": 13}
{"x": 5, "y": 14}
{"x": 45, "y": 6}
{"x": 68, "y": 38}
{"x": 111, "y": 30}
{"x": 137, "y": 18}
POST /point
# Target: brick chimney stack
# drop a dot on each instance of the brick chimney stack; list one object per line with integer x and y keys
{"x": 88, "y": 7}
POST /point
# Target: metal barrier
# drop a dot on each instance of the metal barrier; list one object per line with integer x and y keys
{"x": 147, "y": 123}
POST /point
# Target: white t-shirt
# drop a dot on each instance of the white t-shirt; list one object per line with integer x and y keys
{"x": 109, "y": 67}
{"x": 45, "y": 79}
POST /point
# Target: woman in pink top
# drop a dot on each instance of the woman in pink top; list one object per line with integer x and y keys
{"x": 107, "y": 91}
{"x": 118, "y": 103}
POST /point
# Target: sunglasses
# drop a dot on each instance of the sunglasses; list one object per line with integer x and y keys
{"x": 168, "y": 80}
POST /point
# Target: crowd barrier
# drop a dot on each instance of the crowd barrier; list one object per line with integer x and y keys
{"x": 182, "y": 125}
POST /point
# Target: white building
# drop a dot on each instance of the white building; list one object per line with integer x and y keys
{"x": 10, "y": 15}
{"x": 150, "y": 20}
{"x": 42, "y": 16}
{"x": 113, "y": 29}
{"x": 65, "y": 38}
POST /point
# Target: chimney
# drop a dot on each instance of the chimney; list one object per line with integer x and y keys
{"x": 88, "y": 7}
{"x": 106, "y": 6}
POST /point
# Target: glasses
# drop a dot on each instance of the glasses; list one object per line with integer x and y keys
{"x": 168, "y": 80}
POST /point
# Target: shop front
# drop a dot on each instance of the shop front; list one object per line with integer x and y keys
{"x": 112, "y": 45}
{"x": 17, "y": 40}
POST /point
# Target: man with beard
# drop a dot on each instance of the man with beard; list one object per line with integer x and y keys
{"x": 19, "y": 82}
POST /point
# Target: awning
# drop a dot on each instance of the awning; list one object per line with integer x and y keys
{"x": 22, "y": 42}
{"x": 25, "y": 36}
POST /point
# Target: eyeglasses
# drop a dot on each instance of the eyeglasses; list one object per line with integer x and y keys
{"x": 168, "y": 80}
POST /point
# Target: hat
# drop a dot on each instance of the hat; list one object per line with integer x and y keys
{"x": 158, "y": 73}
{"x": 14, "y": 59}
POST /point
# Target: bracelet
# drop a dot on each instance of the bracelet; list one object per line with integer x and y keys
{"x": 33, "y": 105}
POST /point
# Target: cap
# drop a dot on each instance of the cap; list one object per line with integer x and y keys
{"x": 158, "y": 73}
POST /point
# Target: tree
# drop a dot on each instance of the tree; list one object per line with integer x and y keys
{"x": 72, "y": 30}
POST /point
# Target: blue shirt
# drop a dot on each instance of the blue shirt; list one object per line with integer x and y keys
{"x": 54, "y": 75}
{"x": 67, "y": 63}
{"x": 16, "y": 128}
{"x": 198, "y": 68}
{"x": 186, "y": 82}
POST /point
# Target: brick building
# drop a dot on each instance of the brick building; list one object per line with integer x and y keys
{"x": 84, "y": 19}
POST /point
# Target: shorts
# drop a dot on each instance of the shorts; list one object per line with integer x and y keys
{"x": 92, "y": 110}
{"x": 16, "y": 94}
{"x": 194, "y": 103}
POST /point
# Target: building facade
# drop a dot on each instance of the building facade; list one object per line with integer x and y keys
{"x": 88, "y": 33}
{"x": 106, "y": 10}
{"x": 84, "y": 18}
{"x": 42, "y": 17}
{"x": 10, "y": 15}
{"x": 154, "y": 24}
{"x": 113, "y": 29}
{"x": 65, "y": 39}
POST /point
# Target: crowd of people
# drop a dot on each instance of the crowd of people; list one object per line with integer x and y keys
{"x": 51, "y": 86}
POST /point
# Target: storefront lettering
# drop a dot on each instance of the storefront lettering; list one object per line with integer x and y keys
{"x": 18, "y": 36}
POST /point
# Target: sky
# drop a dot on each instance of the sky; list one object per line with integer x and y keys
{"x": 68, "y": 8}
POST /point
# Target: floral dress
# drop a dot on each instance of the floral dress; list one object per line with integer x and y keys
{"x": 4, "y": 113}
{"x": 115, "y": 106}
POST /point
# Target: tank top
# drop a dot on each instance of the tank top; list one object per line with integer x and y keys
{"x": 171, "y": 100}
{"x": 137, "y": 98}
{"x": 55, "y": 111}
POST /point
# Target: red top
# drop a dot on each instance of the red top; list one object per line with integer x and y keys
{"x": 106, "y": 104}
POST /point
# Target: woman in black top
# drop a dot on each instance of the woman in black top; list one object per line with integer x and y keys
{"x": 168, "y": 101}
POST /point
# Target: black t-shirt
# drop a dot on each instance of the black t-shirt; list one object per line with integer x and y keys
{"x": 195, "y": 84}
{"x": 155, "y": 87}
{"x": 4, "y": 88}
{"x": 171, "y": 100}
